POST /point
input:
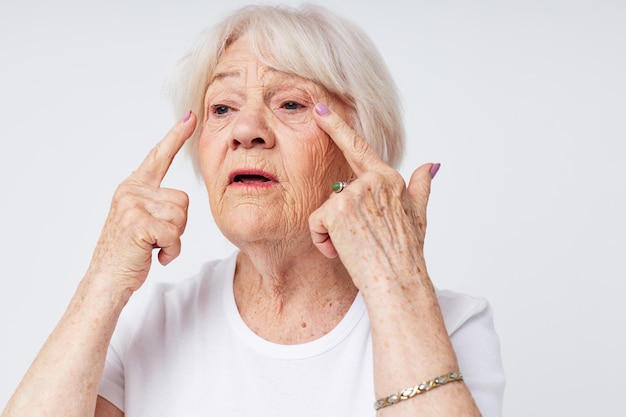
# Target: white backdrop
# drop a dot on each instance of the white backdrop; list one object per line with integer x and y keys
{"x": 523, "y": 102}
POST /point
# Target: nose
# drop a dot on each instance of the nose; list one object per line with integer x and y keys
{"x": 251, "y": 128}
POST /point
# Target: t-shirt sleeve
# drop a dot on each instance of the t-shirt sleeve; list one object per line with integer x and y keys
{"x": 112, "y": 386}
{"x": 112, "y": 382}
{"x": 470, "y": 324}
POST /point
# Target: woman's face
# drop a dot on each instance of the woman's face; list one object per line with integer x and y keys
{"x": 266, "y": 164}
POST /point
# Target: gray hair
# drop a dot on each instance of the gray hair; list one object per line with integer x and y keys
{"x": 311, "y": 43}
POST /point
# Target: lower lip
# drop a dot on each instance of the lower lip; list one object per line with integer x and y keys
{"x": 253, "y": 185}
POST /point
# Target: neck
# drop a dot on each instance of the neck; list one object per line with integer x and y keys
{"x": 289, "y": 296}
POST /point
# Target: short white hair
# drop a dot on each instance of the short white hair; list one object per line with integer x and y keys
{"x": 311, "y": 43}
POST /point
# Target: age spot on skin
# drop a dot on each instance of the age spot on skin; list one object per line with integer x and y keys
{"x": 303, "y": 325}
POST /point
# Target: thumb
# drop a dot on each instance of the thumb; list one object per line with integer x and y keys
{"x": 419, "y": 184}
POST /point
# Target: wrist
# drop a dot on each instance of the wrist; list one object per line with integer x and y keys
{"x": 409, "y": 336}
{"x": 392, "y": 293}
{"x": 100, "y": 290}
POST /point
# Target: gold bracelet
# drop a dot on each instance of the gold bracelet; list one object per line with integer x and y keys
{"x": 418, "y": 389}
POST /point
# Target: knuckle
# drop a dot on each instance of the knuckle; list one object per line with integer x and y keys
{"x": 387, "y": 179}
{"x": 156, "y": 153}
{"x": 172, "y": 231}
{"x": 396, "y": 180}
{"x": 344, "y": 206}
{"x": 176, "y": 197}
{"x": 121, "y": 191}
{"x": 180, "y": 221}
{"x": 359, "y": 146}
{"x": 128, "y": 189}
{"x": 181, "y": 199}
{"x": 135, "y": 218}
{"x": 122, "y": 205}
{"x": 162, "y": 234}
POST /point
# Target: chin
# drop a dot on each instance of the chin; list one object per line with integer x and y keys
{"x": 242, "y": 227}
{"x": 254, "y": 220}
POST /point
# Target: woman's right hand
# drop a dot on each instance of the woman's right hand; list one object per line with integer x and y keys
{"x": 143, "y": 216}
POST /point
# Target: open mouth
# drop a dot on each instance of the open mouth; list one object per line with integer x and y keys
{"x": 250, "y": 179}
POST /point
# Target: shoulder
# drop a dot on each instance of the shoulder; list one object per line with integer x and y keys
{"x": 457, "y": 309}
{"x": 208, "y": 274}
{"x": 469, "y": 322}
{"x": 157, "y": 303}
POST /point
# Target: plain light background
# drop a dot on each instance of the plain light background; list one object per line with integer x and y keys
{"x": 523, "y": 102}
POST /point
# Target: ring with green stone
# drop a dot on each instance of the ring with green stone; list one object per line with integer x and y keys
{"x": 339, "y": 186}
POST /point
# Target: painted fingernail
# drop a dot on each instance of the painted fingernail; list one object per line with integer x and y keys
{"x": 186, "y": 116}
{"x": 434, "y": 169}
{"x": 321, "y": 109}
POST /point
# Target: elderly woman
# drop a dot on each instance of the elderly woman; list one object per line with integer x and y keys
{"x": 327, "y": 308}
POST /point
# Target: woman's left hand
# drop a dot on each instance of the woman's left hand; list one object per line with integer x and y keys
{"x": 377, "y": 224}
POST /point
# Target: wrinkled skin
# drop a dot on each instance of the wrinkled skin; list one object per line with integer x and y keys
{"x": 262, "y": 120}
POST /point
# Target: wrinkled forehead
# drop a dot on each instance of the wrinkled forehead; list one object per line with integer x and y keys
{"x": 261, "y": 76}
{"x": 284, "y": 63}
{"x": 255, "y": 46}
{"x": 242, "y": 62}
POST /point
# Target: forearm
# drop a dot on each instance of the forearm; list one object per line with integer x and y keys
{"x": 64, "y": 377}
{"x": 411, "y": 345}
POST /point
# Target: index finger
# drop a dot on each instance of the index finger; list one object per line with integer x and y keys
{"x": 356, "y": 150}
{"x": 156, "y": 164}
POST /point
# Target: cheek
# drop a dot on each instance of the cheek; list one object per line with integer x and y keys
{"x": 210, "y": 159}
{"x": 316, "y": 166}
{"x": 204, "y": 159}
{"x": 212, "y": 145}
{"x": 326, "y": 158}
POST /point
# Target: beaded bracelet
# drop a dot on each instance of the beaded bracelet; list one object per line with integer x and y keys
{"x": 418, "y": 389}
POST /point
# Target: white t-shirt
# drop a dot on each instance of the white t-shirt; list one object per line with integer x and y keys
{"x": 183, "y": 350}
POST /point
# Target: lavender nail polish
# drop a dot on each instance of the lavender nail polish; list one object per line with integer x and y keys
{"x": 434, "y": 169}
{"x": 321, "y": 109}
{"x": 186, "y": 116}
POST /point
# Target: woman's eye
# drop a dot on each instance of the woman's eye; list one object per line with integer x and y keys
{"x": 292, "y": 105}
{"x": 220, "y": 109}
